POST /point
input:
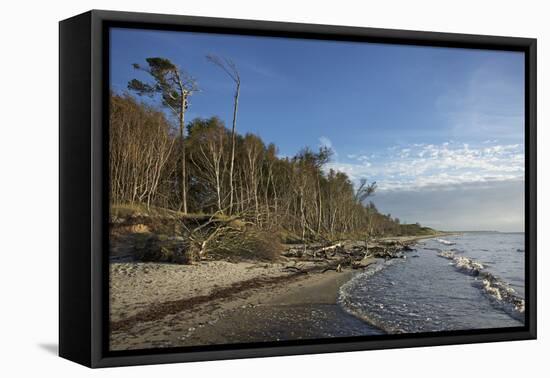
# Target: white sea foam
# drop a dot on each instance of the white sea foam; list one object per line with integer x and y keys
{"x": 499, "y": 291}
{"x": 381, "y": 296}
{"x": 356, "y": 308}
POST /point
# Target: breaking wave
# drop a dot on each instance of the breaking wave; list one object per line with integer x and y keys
{"x": 500, "y": 292}
{"x": 356, "y": 308}
{"x": 446, "y": 242}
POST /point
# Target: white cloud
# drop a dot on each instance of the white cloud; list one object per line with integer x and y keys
{"x": 429, "y": 166}
{"x": 482, "y": 206}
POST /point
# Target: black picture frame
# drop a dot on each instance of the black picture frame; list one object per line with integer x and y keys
{"x": 83, "y": 196}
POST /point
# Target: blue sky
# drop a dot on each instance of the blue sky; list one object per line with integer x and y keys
{"x": 420, "y": 121}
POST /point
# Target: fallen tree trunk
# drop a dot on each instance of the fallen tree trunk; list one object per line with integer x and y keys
{"x": 324, "y": 250}
{"x": 295, "y": 269}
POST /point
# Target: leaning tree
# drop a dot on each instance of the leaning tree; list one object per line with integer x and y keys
{"x": 174, "y": 86}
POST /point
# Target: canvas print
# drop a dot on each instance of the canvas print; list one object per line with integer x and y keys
{"x": 265, "y": 190}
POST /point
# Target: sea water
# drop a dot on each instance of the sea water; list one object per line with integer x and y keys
{"x": 461, "y": 282}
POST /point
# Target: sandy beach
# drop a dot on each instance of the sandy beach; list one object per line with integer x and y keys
{"x": 168, "y": 310}
{"x": 218, "y": 302}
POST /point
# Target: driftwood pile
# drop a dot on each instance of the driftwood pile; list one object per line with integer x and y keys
{"x": 354, "y": 254}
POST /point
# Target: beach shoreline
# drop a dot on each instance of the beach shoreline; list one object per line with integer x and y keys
{"x": 167, "y": 305}
{"x": 213, "y": 321}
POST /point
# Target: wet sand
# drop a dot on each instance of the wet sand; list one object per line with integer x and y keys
{"x": 298, "y": 307}
{"x": 308, "y": 310}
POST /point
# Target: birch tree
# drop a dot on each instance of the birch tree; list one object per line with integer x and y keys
{"x": 229, "y": 67}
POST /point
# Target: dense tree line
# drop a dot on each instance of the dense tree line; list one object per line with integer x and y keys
{"x": 297, "y": 194}
{"x": 203, "y": 167}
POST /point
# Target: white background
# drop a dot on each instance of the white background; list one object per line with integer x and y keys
{"x": 29, "y": 185}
